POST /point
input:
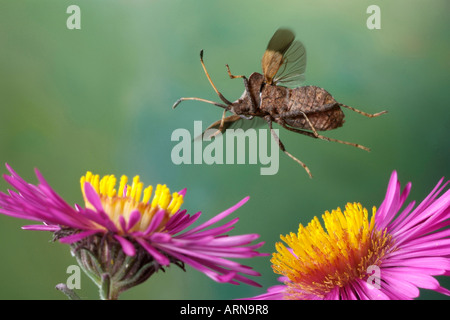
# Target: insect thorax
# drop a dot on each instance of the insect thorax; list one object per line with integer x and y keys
{"x": 243, "y": 105}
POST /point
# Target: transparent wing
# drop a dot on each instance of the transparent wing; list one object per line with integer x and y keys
{"x": 272, "y": 58}
{"x": 292, "y": 70}
{"x": 233, "y": 122}
{"x": 281, "y": 41}
{"x": 245, "y": 124}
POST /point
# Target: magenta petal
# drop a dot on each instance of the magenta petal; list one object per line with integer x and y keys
{"x": 127, "y": 246}
{"x": 443, "y": 291}
{"x": 78, "y": 236}
{"x": 135, "y": 216}
{"x": 416, "y": 278}
{"x": 180, "y": 221}
{"x": 94, "y": 216}
{"x": 123, "y": 223}
{"x": 232, "y": 241}
{"x": 384, "y": 213}
{"x": 218, "y": 217}
{"x": 94, "y": 200}
{"x": 349, "y": 292}
{"x": 92, "y": 196}
{"x": 370, "y": 291}
{"x": 226, "y": 227}
{"x": 42, "y": 227}
{"x": 156, "y": 221}
{"x": 226, "y": 277}
{"x": 178, "y": 218}
{"x": 160, "y": 237}
{"x": 207, "y": 258}
{"x": 160, "y": 258}
{"x": 400, "y": 287}
{"x": 273, "y": 293}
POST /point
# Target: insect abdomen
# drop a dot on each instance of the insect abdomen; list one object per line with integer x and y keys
{"x": 319, "y": 106}
{"x": 323, "y": 121}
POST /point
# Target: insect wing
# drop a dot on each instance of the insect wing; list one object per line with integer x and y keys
{"x": 232, "y": 122}
{"x": 246, "y": 124}
{"x": 292, "y": 71}
{"x": 273, "y": 57}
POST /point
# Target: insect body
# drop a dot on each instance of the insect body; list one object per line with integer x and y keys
{"x": 303, "y": 110}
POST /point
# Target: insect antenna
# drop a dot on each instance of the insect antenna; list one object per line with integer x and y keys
{"x": 210, "y": 81}
{"x": 224, "y": 106}
{"x": 199, "y": 99}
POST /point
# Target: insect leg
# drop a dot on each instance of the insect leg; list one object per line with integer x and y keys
{"x": 297, "y": 113}
{"x": 370, "y": 115}
{"x": 210, "y": 81}
{"x": 233, "y": 76}
{"x": 247, "y": 88}
{"x": 319, "y": 136}
{"x": 281, "y": 145}
{"x": 221, "y": 125}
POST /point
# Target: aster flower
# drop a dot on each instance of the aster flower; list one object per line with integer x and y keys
{"x": 390, "y": 256}
{"x": 123, "y": 236}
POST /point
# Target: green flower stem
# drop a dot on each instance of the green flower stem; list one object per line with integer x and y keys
{"x": 107, "y": 291}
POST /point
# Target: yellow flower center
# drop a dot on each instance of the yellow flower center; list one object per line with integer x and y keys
{"x": 131, "y": 198}
{"x": 321, "y": 259}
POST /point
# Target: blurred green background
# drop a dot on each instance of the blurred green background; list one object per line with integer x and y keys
{"x": 100, "y": 99}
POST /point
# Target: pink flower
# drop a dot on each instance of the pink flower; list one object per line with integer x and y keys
{"x": 132, "y": 224}
{"x": 390, "y": 256}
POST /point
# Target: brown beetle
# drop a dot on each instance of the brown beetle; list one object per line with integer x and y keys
{"x": 298, "y": 109}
